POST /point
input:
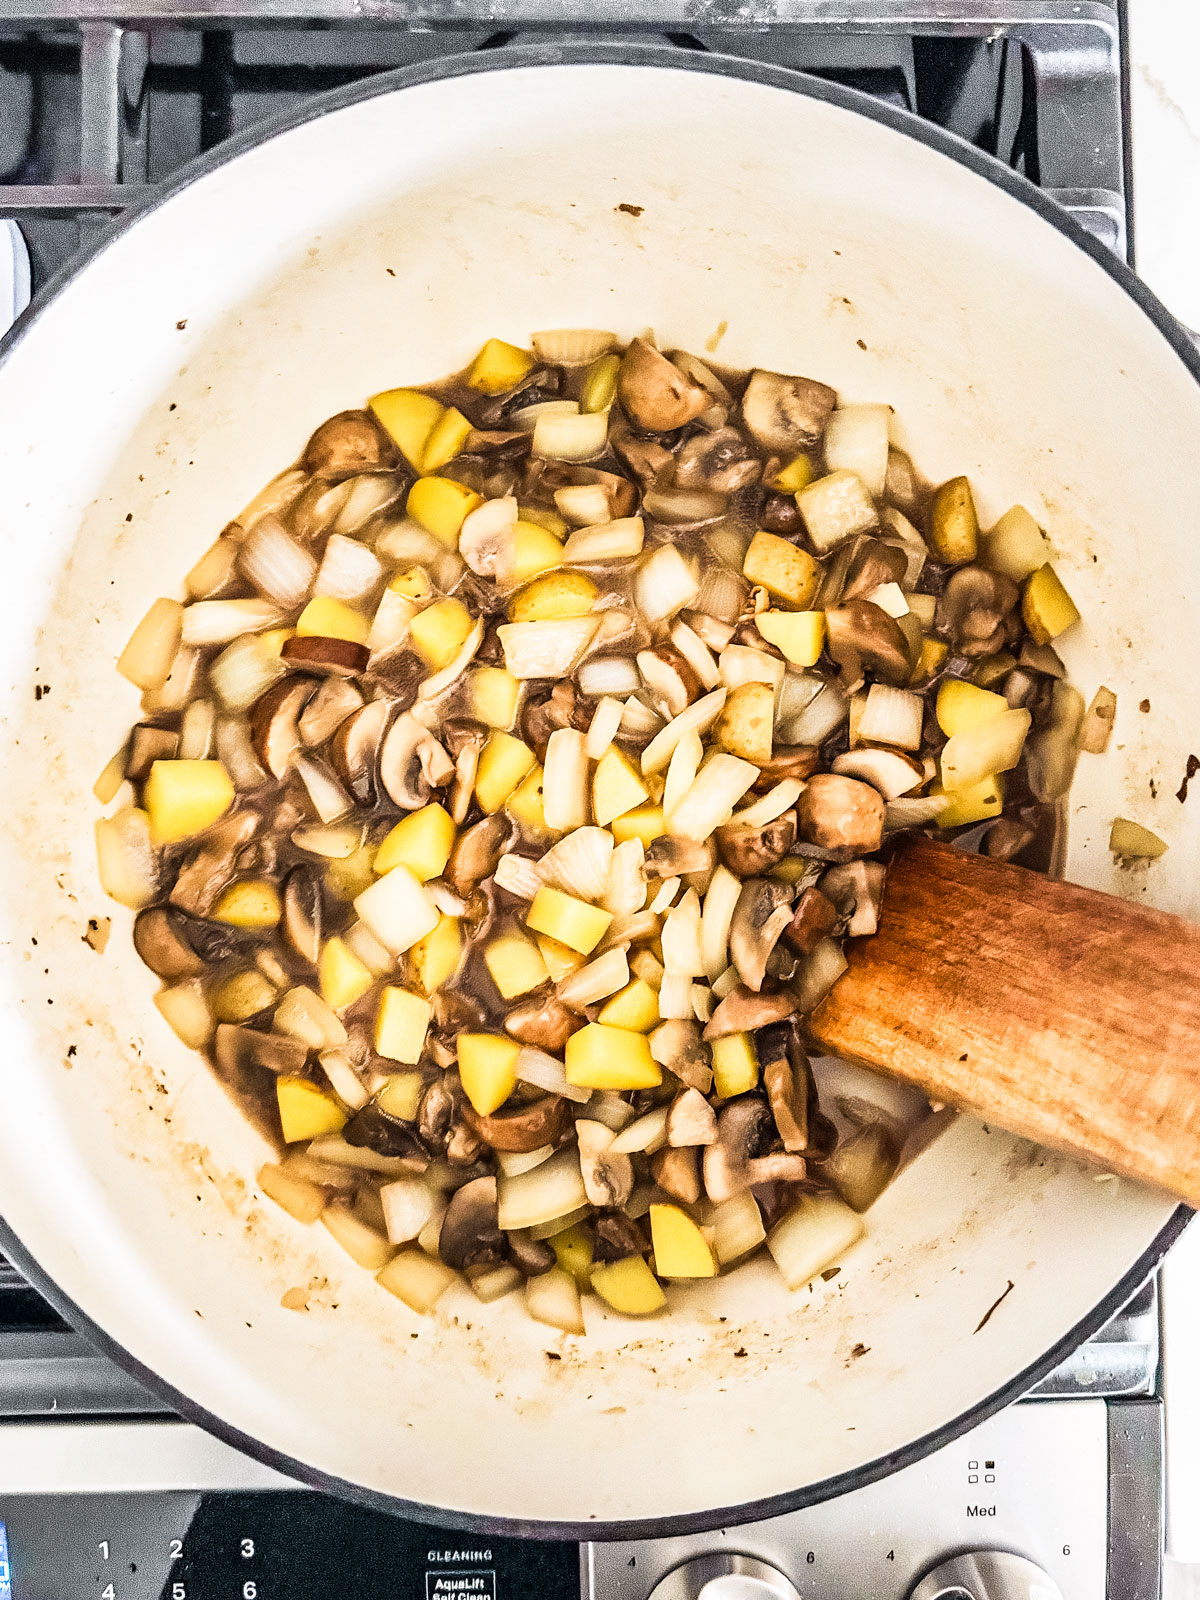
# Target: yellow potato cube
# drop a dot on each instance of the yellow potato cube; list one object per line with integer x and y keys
{"x": 413, "y": 583}
{"x": 800, "y": 635}
{"x": 1129, "y": 841}
{"x": 515, "y": 963}
{"x": 535, "y": 549}
{"x": 634, "y": 1007}
{"x": 417, "y": 1279}
{"x": 782, "y": 568}
{"x": 306, "y": 1110}
{"x": 242, "y": 995}
{"x": 327, "y": 618}
{"x": 401, "y": 1095}
{"x": 646, "y": 823}
{"x": 182, "y": 798}
{"x": 734, "y": 1065}
{"x": 422, "y": 842}
{"x": 974, "y": 804}
{"x": 487, "y": 1065}
{"x": 572, "y": 922}
{"x": 348, "y": 876}
{"x": 252, "y": 903}
{"x": 747, "y": 722}
{"x": 401, "y": 1025}
{"x": 343, "y": 977}
{"x": 628, "y": 1286}
{"x": 440, "y": 631}
{"x": 680, "y": 1249}
{"x": 435, "y": 958}
{"x": 797, "y": 475}
{"x": 527, "y": 807}
{"x": 299, "y": 1198}
{"x": 503, "y": 762}
{"x": 962, "y": 706}
{"x": 611, "y": 1058}
{"x": 573, "y": 1252}
{"x": 499, "y": 366}
{"x": 448, "y": 436}
{"x": 441, "y": 506}
{"x": 932, "y": 654}
{"x": 953, "y": 523}
{"x": 554, "y": 597}
{"x": 147, "y": 659}
{"x": 1046, "y": 606}
{"x": 409, "y": 417}
{"x": 560, "y": 962}
{"x": 495, "y": 696}
{"x": 617, "y": 788}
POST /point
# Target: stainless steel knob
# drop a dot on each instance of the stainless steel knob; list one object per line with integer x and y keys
{"x": 725, "y": 1577}
{"x": 987, "y": 1575}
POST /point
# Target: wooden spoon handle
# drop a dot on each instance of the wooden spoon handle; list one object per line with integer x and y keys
{"x": 1061, "y": 1014}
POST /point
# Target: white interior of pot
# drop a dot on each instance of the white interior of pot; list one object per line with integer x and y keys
{"x": 381, "y": 245}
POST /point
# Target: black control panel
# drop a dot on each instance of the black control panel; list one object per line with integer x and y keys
{"x": 276, "y": 1545}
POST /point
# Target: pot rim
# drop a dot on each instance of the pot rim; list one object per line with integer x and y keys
{"x": 934, "y": 138}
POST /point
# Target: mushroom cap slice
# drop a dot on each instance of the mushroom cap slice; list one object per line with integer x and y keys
{"x": 303, "y": 920}
{"x": 742, "y": 1011}
{"x": 841, "y": 815}
{"x": 763, "y": 911}
{"x": 160, "y": 938}
{"x": 862, "y": 637}
{"x": 354, "y": 748}
{"x": 529, "y": 1127}
{"x": 470, "y": 1228}
{"x": 325, "y": 654}
{"x": 691, "y": 1120}
{"x": 347, "y": 444}
{"x": 275, "y": 722}
{"x": 785, "y": 414}
{"x": 676, "y": 1171}
{"x": 749, "y": 851}
{"x": 654, "y": 393}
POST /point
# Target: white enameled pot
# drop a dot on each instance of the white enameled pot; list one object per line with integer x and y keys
{"x": 375, "y": 241}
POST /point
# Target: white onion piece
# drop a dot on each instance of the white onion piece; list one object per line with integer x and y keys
{"x": 360, "y": 941}
{"x": 599, "y": 979}
{"x": 552, "y": 1298}
{"x": 809, "y": 1238}
{"x": 518, "y": 875}
{"x": 1016, "y": 546}
{"x": 243, "y": 671}
{"x": 722, "y": 592}
{"x": 602, "y": 729}
{"x": 606, "y": 541}
{"x": 899, "y": 530}
{"x": 886, "y": 770}
{"x": 408, "y": 1204}
{"x": 681, "y": 771}
{"x": 237, "y": 754}
{"x": 703, "y": 1004}
{"x": 699, "y": 373}
{"x": 826, "y": 712}
{"x": 335, "y": 842}
{"x": 580, "y": 864}
{"x": 696, "y": 653}
{"x": 408, "y": 542}
{"x": 889, "y": 597}
{"x": 525, "y": 420}
{"x": 392, "y": 620}
{"x": 892, "y": 716}
{"x": 549, "y": 1191}
{"x": 580, "y": 437}
{"x": 630, "y": 930}
{"x": 681, "y": 939}
{"x": 441, "y": 681}
{"x": 625, "y": 890}
{"x": 976, "y": 753}
{"x": 644, "y": 1135}
{"x": 729, "y": 542}
{"x": 638, "y": 719}
{"x": 856, "y": 440}
{"x": 608, "y": 675}
{"x": 719, "y": 904}
{"x": 914, "y": 813}
{"x": 737, "y": 1227}
{"x": 397, "y": 910}
{"x": 608, "y": 1107}
{"x": 743, "y": 663}
{"x": 369, "y": 493}
{"x": 219, "y": 621}
{"x": 709, "y": 803}
{"x": 547, "y": 1072}
{"x": 572, "y": 347}
{"x": 565, "y": 780}
{"x": 513, "y": 1162}
{"x": 583, "y": 505}
{"x": 276, "y": 497}
{"x": 696, "y": 718}
{"x": 343, "y": 1079}
{"x": 1097, "y": 727}
{"x": 196, "y": 731}
{"x": 125, "y": 858}
{"x": 675, "y": 998}
{"x": 665, "y": 898}
{"x": 445, "y": 899}
{"x": 772, "y": 804}
{"x": 348, "y": 570}
{"x": 277, "y": 565}
{"x": 679, "y": 507}
{"x": 327, "y": 795}
{"x": 545, "y": 649}
{"x": 665, "y": 583}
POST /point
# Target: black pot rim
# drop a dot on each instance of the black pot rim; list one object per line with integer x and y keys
{"x": 934, "y": 138}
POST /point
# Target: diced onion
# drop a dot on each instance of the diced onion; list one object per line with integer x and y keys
{"x": 625, "y": 890}
{"x": 419, "y": 1280}
{"x": 665, "y": 583}
{"x": 196, "y": 731}
{"x": 391, "y": 623}
{"x": 602, "y": 729}
{"x": 826, "y": 712}
{"x": 526, "y": 418}
{"x": 696, "y": 653}
{"x": 644, "y": 1135}
{"x": 583, "y": 505}
{"x": 408, "y": 1204}
{"x": 565, "y": 437}
{"x": 675, "y": 998}
{"x": 572, "y": 347}
{"x": 545, "y": 649}
{"x": 408, "y": 543}
{"x": 565, "y": 780}
{"x": 665, "y": 898}
{"x": 681, "y": 771}
{"x": 890, "y": 597}
{"x": 703, "y": 1003}
{"x": 237, "y": 754}
{"x": 518, "y": 875}
{"x": 914, "y": 813}
{"x": 892, "y": 716}
{"x": 696, "y": 718}
{"x": 329, "y": 799}
{"x": 683, "y": 506}
{"x": 606, "y": 541}
{"x": 348, "y": 570}
{"x": 343, "y": 1079}
{"x": 737, "y": 1228}
{"x": 218, "y": 621}
{"x": 719, "y": 904}
{"x": 608, "y": 675}
{"x": 722, "y": 592}
{"x": 552, "y": 1298}
{"x": 728, "y": 980}
{"x": 709, "y": 803}
{"x": 638, "y": 719}
{"x": 579, "y": 864}
{"x": 146, "y": 660}
{"x": 819, "y": 973}
{"x": 277, "y": 565}
{"x": 814, "y": 1234}
{"x": 899, "y": 530}
{"x": 599, "y": 979}
{"x": 513, "y": 1162}
{"x": 681, "y": 939}
{"x": 549, "y": 1191}
{"x": 743, "y": 663}
{"x": 546, "y": 1072}
{"x": 335, "y": 842}
{"x": 856, "y": 440}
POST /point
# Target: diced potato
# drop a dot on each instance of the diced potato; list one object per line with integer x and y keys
{"x": 572, "y": 922}
{"x": 600, "y": 384}
{"x": 242, "y": 995}
{"x": 487, "y": 1065}
{"x": 413, "y": 583}
{"x": 440, "y": 631}
{"x": 535, "y": 549}
{"x": 573, "y": 1252}
{"x": 361, "y": 1243}
{"x": 800, "y": 635}
{"x": 734, "y": 1065}
{"x": 343, "y": 977}
{"x": 125, "y": 858}
{"x": 348, "y": 876}
{"x": 251, "y": 903}
{"x": 797, "y": 475}
{"x": 994, "y": 746}
{"x": 565, "y": 593}
{"x": 182, "y": 798}
{"x": 617, "y": 789}
{"x": 441, "y": 506}
{"x": 782, "y": 568}
{"x": 932, "y": 655}
{"x": 409, "y": 417}
{"x": 598, "y": 1057}
{"x": 635, "y": 1007}
{"x": 680, "y": 1249}
{"x": 982, "y": 800}
{"x": 306, "y": 1109}
{"x": 503, "y": 762}
{"x": 1016, "y": 546}
{"x": 628, "y": 1286}
{"x": 148, "y": 657}
{"x": 446, "y": 440}
{"x": 746, "y": 725}
{"x": 515, "y": 964}
{"x": 1131, "y": 842}
{"x": 646, "y": 823}
{"x": 560, "y": 961}
{"x": 498, "y": 367}
{"x": 435, "y": 958}
{"x": 397, "y": 910}
{"x": 962, "y": 706}
{"x": 299, "y": 1198}
{"x": 422, "y": 842}
{"x": 417, "y": 1279}
{"x": 401, "y": 1025}
{"x": 186, "y": 1012}
{"x": 401, "y": 1095}
{"x": 834, "y": 508}
{"x": 953, "y": 523}
{"x": 108, "y": 785}
{"x": 1046, "y": 606}
{"x": 327, "y": 618}
{"x": 495, "y": 696}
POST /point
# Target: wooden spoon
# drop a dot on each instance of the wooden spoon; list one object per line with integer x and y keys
{"x": 1061, "y": 1014}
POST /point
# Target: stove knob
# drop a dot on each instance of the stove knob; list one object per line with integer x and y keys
{"x": 987, "y": 1575}
{"x": 724, "y": 1577}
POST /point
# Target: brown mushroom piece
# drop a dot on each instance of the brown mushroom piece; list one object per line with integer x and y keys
{"x": 347, "y": 444}
{"x": 975, "y": 611}
{"x": 778, "y": 1166}
{"x": 622, "y": 495}
{"x": 528, "y": 1127}
{"x": 841, "y": 815}
{"x": 691, "y": 1120}
{"x": 617, "y": 1235}
{"x": 645, "y": 458}
{"x": 676, "y": 1045}
{"x": 435, "y": 1114}
{"x": 148, "y": 744}
{"x": 672, "y": 857}
{"x": 546, "y": 1024}
{"x": 654, "y": 393}
{"x": 533, "y": 1257}
{"x": 763, "y": 911}
{"x": 814, "y": 918}
{"x": 497, "y": 444}
{"x": 862, "y": 637}
{"x": 541, "y": 718}
{"x": 607, "y": 1175}
{"x": 719, "y": 461}
{"x": 303, "y": 919}
{"x": 748, "y": 851}
{"x": 160, "y": 938}
{"x": 355, "y": 748}
{"x": 236, "y": 1047}
{"x": 464, "y": 1147}
{"x": 470, "y": 1234}
{"x": 328, "y": 708}
{"x": 777, "y": 1047}
{"x": 780, "y": 514}
{"x": 275, "y": 722}
{"x": 788, "y": 761}
{"x": 863, "y": 1163}
{"x": 477, "y": 852}
{"x": 202, "y": 878}
{"x": 743, "y": 1128}
{"x": 786, "y": 414}
{"x": 856, "y": 889}
{"x": 676, "y": 1171}
{"x": 671, "y": 683}
{"x": 742, "y": 1011}
{"x": 872, "y": 563}
{"x": 401, "y": 772}
{"x": 375, "y": 1129}
{"x": 326, "y": 655}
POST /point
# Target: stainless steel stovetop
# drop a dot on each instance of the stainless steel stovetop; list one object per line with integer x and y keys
{"x": 103, "y": 1494}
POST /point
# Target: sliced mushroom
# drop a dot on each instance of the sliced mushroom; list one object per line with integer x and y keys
{"x": 401, "y": 772}
{"x": 527, "y": 1128}
{"x": 160, "y": 939}
{"x": 347, "y": 444}
{"x": 778, "y": 1166}
{"x": 786, "y": 414}
{"x": 975, "y": 610}
{"x": 676, "y": 1045}
{"x": 857, "y": 890}
{"x": 814, "y": 919}
{"x": 335, "y": 699}
{"x": 763, "y": 911}
{"x": 742, "y": 1011}
{"x": 355, "y": 749}
{"x": 841, "y": 815}
{"x": 201, "y": 880}
{"x": 148, "y": 744}
{"x": 742, "y": 1128}
{"x": 862, "y": 638}
{"x": 670, "y": 857}
{"x": 788, "y": 761}
{"x": 545, "y": 1024}
{"x": 788, "y": 1099}
{"x": 720, "y": 461}
{"x": 487, "y": 541}
{"x": 373, "y": 1128}
{"x": 326, "y": 655}
{"x": 861, "y": 1166}
{"x": 677, "y": 1173}
{"x": 540, "y": 718}
{"x": 1004, "y": 840}
{"x": 470, "y": 1233}
{"x": 533, "y": 1257}
{"x": 477, "y": 852}
{"x": 607, "y": 1177}
{"x": 654, "y": 393}
{"x": 435, "y": 1114}
{"x": 670, "y": 682}
{"x": 691, "y": 1120}
{"x": 872, "y": 563}
{"x": 889, "y": 771}
{"x": 464, "y": 1147}
{"x": 645, "y": 458}
{"x": 466, "y": 768}
{"x": 303, "y": 920}
{"x": 274, "y": 722}
{"x": 236, "y": 1047}
{"x": 749, "y": 851}
{"x": 617, "y": 1236}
